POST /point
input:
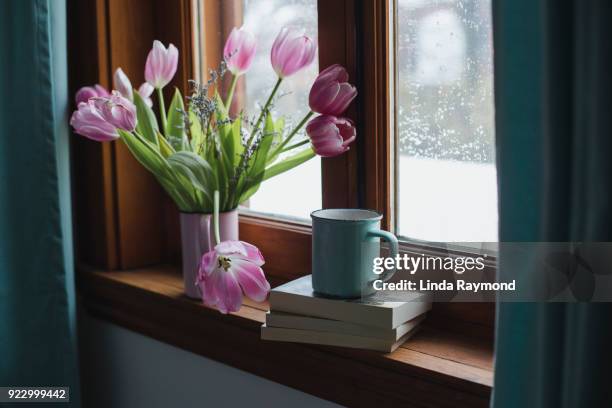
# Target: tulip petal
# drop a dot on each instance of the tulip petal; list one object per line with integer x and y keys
{"x": 251, "y": 279}
{"x": 145, "y": 90}
{"x": 101, "y": 91}
{"x": 228, "y": 248}
{"x": 84, "y": 94}
{"x": 171, "y": 63}
{"x": 253, "y": 254}
{"x": 346, "y": 94}
{"x": 329, "y": 147}
{"x": 279, "y": 42}
{"x": 231, "y": 44}
{"x": 207, "y": 290}
{"x": 88, "y": 92}
{"x": 240, "y": 250}
{"x": 207, "y": 264}
{"x": 227, "y": 292}
{"x": 96, "y": 134}
{"x": 347, "y": 130}
{"x": 122, "y": 84}
{"x": 321, "y": 96}
{"x": 334, "y": 72}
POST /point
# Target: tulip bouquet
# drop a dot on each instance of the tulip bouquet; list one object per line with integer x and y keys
{"x": 196, "y": 151}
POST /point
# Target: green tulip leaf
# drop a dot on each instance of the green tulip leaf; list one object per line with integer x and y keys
{"x": 196, "y": 169}
{"x": 195, "y": 130}
{"x": 165, "y": 148}
{"x": 256, "y": 171}
{"x": 222, "y": 112}
{"x": 279, "y": 127}
{"x": 175, "y": 125}
{"x": 147, "y": 124}
{"x": 236, "y": 136}
{"x": 261, "y": 155}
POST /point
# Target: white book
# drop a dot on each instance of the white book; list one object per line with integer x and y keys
{"x": 292, "y": 321}
{"x": 297, "y": 297}
{"x": 332, "y": 339}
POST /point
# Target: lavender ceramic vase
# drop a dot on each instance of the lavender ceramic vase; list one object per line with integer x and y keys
{"x": 198, "y": 237}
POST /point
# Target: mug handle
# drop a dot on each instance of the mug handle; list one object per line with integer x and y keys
{"x": 391, "y": 239}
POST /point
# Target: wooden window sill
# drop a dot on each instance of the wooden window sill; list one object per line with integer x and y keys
{"x": 434, "y": 369}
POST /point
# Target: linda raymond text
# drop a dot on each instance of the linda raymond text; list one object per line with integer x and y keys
{"x": 444, "y": 285}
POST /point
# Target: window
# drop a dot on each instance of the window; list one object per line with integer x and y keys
{"x": 446, "y": 178}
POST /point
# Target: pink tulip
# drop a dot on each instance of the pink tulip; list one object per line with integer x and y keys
{"x": 99, "y": 117}
{"x": 239, "y": 51}
{"x": 87, "y": 92}
{"x": 229, "y": 270}
{"x": 331, "y": 93}
{"x": 291, "y": 52}
{"x": 330, "y": 136}
{"x": 122, "y": 83}
{"x": 145, "y": 91}
{"x": 161, "y": 64}
{"x": 88, "y": 121}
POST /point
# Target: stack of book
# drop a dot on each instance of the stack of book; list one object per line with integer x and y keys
{"x": 298, "y": 315}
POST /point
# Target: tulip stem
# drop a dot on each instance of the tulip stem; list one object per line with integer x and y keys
{"x": 293, "y": 146}
{"x": 162, "y": 109}
{"x": 282, "y": 144}
{"x": 230, "y": 94}
{"x": 216, "y": 217}
{"x": 263, "y": 111}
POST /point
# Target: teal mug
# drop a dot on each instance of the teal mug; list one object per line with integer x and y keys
{"x": 344, "y": 245}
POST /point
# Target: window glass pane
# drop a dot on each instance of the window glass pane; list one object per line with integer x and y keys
{"x": 297, "y": 192}
{"x": 446, "y": 175}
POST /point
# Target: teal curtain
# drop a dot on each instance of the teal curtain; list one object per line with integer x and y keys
{"x": 553, "y": 90}
{"x": 37, "y": 310}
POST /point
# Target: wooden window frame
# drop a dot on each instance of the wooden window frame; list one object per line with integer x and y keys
{"x": 124, "y": 221}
